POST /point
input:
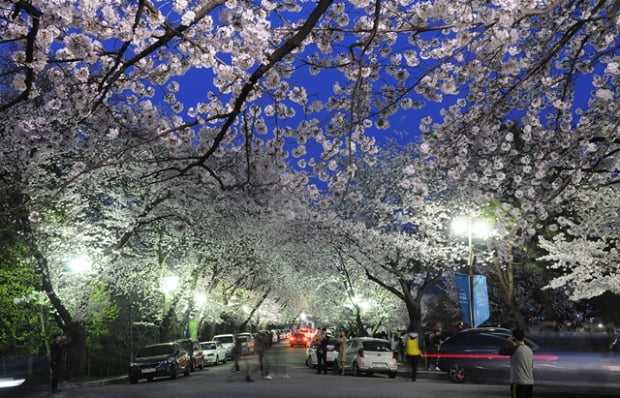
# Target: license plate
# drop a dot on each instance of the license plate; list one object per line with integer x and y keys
{"x": 379, "y": 365}
{"x": 149, "y": 370}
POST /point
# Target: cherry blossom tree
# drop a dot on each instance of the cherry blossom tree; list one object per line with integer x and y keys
{"x": 585, "y": 249}
{"x": 88, "y": 87}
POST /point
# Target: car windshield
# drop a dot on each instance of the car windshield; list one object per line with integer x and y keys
{"x": 208, "y": 346}
{"x": 376, "y": 346}
{"x": 224, "y": 339}
{"x": 155, "y": 350}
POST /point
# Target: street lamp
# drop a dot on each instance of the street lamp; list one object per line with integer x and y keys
{"x": 470, "y": 227}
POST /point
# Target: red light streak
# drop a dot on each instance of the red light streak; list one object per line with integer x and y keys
{"x": 537, "y": 357}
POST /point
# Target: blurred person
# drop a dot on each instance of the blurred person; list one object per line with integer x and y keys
{"x": 521, "y": 365}
{"x": 56, "y": 360}
{"x": 261, "y": 346}
{"x": 342, "y": 351}
{"x": 412, "y": 349}
{"x": 321, "y": 352}
{"x": 395, "y": 346}
{"x": 236, "y": 356}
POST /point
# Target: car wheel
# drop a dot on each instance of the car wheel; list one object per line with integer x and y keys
{"x": 355, "y": 369}
{"x": 392, "y": 375}
{"x": 457, "y": 374}
{"x": 133, "y": 380}
{"x": 149, "y": 379}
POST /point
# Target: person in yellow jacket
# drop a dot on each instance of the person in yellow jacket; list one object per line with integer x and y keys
{"x": 412, "y": 349}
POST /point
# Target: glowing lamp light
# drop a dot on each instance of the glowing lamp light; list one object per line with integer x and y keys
{"x": 170, "y": 283}
{"x": 467, "y": 227}
{"x": 81, "y": 264}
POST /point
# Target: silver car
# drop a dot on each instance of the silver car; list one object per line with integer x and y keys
{"x": 370, "y": 355}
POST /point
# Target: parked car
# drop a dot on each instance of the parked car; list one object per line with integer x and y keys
{"x": 157, "y": 360}
{"x": 580, "y": 360}
{"x": 298, "y": 339}
{"x": 194, "y": 350}
{"x": 228, "y": 341}
{"x": 369, "y": 355}
{"x": 245, "y": 345}
{"x": 331, "y": 356}
{"x": 251, "y": 342}
{"x": 213, "y": 352}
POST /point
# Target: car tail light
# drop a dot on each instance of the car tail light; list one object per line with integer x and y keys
{"x": 360, "y": 353}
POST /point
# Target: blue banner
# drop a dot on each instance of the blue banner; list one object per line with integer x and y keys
{"x": 480, "y": 298}
{"x": 462, "y": 291}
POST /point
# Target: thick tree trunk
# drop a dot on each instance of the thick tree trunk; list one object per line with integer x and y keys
{"x": 75, "y": 366}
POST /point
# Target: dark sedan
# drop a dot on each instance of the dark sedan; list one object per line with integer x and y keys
{"x": 157, "y": 360}
{"x": 560, "y": 360}
{"x": 298, "y": 339}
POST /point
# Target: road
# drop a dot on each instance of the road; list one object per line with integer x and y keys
{"x": 292, "y": 379}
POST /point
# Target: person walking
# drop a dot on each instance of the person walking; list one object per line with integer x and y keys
{"x": 521, "y": 365}
{"x": 56, "y": 360}
{"x": 262, "y": 343}
{"x": 236, "y": 356}
{"x": 412, "y": 349}
{"x": 342, "y": 351}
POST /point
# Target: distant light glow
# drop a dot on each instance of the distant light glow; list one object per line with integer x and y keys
{"x": 200, "y": 299}
{"x": 80, "y": 264}
{"x": 169, "y": 283}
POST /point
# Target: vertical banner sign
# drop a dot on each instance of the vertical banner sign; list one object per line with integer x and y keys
{"x": 462, "y": 291}
{"x": 481, "y": 300}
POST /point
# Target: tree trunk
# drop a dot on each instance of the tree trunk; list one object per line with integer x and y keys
{"x": 75, "y": 366}
{"x": 507, "y": 282}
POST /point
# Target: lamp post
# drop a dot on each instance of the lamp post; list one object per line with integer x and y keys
{"x": 470, "y": 227}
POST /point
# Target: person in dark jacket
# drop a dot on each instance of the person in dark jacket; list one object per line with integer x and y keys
{"x": 56, "y": 360}
{"x": 321, "y": 353}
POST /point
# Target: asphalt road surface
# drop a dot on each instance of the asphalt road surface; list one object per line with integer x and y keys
{"x": 291, "y": 379}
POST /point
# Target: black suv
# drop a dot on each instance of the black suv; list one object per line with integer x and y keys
{"x": 194, "y": 350}
{"x": 166, "y": 359}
